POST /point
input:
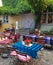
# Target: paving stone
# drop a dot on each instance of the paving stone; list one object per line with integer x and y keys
{"x": 44, "y": 58}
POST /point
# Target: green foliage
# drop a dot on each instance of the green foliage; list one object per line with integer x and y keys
{"x": 21, "y": 6}
{"x": 48, "y": 32}
{"x": 14, "y": 7}
{"x": 11, "y": 3}
{"x": 51, "y": 30}
{"x": 38, "y": 7}
{"x": 50, "y": 6}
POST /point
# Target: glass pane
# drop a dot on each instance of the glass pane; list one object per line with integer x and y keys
{"x": 5, "y": 19}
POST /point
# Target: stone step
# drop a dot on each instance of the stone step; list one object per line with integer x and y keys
{"x": 23, "y": 31}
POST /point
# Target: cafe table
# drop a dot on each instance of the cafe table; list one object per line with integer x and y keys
{"x": 29, "y": 50}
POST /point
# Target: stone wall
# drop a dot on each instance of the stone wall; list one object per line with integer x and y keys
{"x": 46, "y": 27}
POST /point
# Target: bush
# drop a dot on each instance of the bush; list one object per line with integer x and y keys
{"x": 47, "y": 32}
{"x": 51, "y": 31}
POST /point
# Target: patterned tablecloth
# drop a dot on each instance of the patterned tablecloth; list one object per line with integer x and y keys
{"x": 6, "y": 41}
{"x": 46, "y": 39}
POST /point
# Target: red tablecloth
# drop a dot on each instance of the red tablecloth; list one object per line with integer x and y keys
{"x": 1, "y": 34}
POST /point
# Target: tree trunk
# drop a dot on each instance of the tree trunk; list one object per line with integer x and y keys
{"x": 38, "y": 21}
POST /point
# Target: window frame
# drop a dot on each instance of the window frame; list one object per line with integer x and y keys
{"x": 5, "y": 19}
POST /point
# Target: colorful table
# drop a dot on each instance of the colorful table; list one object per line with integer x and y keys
{"x": 47, "y": 39}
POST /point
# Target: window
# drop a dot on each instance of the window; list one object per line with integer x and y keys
{"x": 47, "y": 19}
{"x": 43, "y": 19}
{"x": 5, "y": 19}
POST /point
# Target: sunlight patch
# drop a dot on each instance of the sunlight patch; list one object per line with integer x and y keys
{"x": 1, "y": 3}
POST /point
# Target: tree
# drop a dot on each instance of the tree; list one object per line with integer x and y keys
{"x": 38, "y": 7}
{"x": 14, "y": 7}
{"x": 50, "y": 5}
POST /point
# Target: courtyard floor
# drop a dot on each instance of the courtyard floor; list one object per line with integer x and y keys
{"x": 44, "y": 58}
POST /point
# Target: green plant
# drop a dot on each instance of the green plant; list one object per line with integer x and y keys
{"x": 51, "y": 30}
{"x": 12, "y": 7}
{"x": 48, "y": 32}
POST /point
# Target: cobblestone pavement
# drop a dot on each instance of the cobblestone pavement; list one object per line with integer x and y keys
{"x": 44, "y": 58}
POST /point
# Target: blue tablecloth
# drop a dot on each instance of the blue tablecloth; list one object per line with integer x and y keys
{"x": 31, "y": 51}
